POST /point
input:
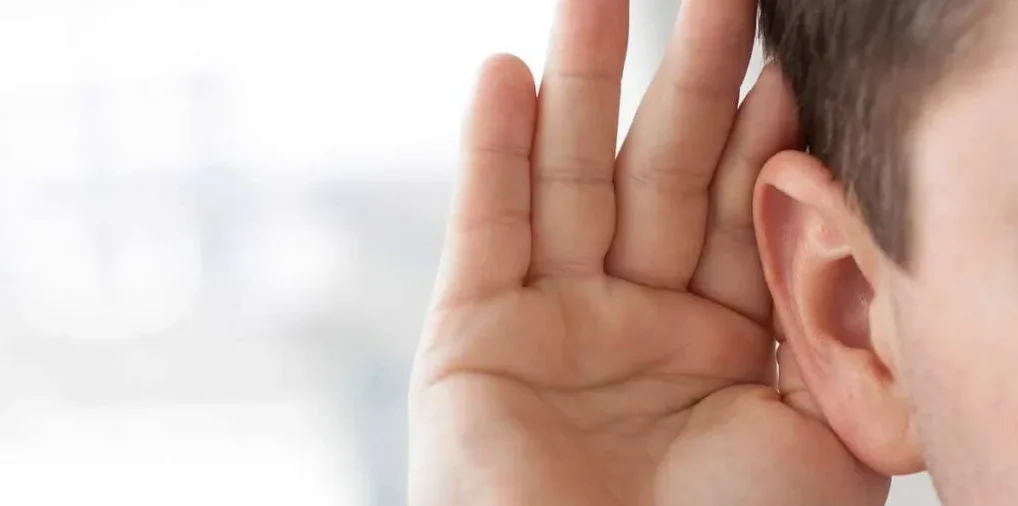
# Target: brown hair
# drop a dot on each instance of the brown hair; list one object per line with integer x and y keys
{"x": 862, "y": 70}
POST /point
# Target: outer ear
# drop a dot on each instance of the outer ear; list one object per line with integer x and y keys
{"x": 830, "y": 288}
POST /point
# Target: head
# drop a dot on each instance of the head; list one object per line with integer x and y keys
{"x": 891, "y": 244}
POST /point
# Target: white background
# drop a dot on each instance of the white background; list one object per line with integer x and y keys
{"x": 219, "y": 221}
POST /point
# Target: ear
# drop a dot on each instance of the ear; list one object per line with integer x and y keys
{"x": 831, "y": 294}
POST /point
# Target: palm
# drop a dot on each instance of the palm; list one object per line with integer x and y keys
{"x": 627, "y": 405}
{"x": 600, "y": 338}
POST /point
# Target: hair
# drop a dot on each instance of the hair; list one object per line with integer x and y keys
{"x": 862, "y": 71}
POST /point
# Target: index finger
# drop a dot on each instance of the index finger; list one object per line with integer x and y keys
{"x": 668, "y": 159}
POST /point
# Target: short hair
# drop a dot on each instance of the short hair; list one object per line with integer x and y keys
{"x": 862, "y": 71}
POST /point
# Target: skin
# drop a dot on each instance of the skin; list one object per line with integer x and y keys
{"x": 912, "y": 366}
{"x": 957, "y": 309}
{"x": 601, "y": 330}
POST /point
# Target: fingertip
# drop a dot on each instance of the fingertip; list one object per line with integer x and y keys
{"x": 505, "y": 70}
{"x": 503, "y": 109}
{"x": 504, "y": 61}
{"x": 772, "y": 101}
{"x": 775, "y": 81}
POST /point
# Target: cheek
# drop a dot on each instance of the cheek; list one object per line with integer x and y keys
{"x": 959, "y": 306}
{"x": 959, "y": 340}
{"x": 960, "y": 321}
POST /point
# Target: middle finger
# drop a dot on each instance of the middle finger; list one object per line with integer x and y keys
{"x": 573, "y": 216}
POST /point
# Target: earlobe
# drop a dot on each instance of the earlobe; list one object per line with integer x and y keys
{"x": 823, "y": 270}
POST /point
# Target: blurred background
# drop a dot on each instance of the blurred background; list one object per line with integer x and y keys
{"x": 219, "y": 223}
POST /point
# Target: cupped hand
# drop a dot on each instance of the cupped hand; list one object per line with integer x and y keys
{"x": 600, "y": 332}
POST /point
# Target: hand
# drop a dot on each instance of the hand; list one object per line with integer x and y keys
{"x": 600, "y": 333}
